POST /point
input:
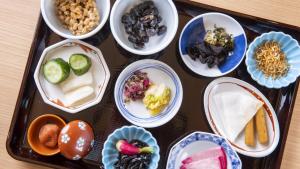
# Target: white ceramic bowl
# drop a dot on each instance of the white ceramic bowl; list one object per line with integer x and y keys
{"x": 49, "y": 14}
{"x": 53, "y": 94}
{"x": 169, "y": 14}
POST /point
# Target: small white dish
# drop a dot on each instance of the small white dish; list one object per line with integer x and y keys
{"x": 169, "y": 16}
{"x": 49, "y": 15}
{"x": 135, "y": 111}
{"x": 52, "y": 94}
{"x": 195, "y": 30}
{"x": 232, "y": 84}
{"x": 200, "y": 141}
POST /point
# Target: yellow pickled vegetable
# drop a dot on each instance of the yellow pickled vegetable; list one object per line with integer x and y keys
{"x": 157, "y": 97}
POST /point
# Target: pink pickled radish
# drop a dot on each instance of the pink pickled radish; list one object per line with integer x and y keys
{"x": 216, "y": 152}
{"x": 208, "y": 163}
{"x": 125, "y": 148}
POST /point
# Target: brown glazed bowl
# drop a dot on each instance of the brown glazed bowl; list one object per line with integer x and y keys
{"x": 33, "y": 133}
{"x": 76, "y": 139}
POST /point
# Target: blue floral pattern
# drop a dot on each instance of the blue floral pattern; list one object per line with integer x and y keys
{"x": 200, "y": 136}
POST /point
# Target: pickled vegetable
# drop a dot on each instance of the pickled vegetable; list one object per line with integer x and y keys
{"x": 80, "y": 63}
{"x": 56, "y": 70}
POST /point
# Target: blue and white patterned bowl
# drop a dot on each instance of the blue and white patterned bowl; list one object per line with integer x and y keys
{"x": 198, "y": 141}
{"x": 292, "y": 51}
{"x": 110, "y": 153}
{"x": 135, "y": 111}
{"x": 195, "y": 30}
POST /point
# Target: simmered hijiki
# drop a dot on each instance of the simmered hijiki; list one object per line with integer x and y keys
{"x": 133, "y": 155}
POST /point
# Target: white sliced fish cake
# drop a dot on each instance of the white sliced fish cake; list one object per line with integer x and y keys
{"x": 78, "y": 95}
{"x": 75, "y": 82}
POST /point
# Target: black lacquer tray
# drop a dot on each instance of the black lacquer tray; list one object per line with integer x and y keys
{"x": 105, "y": 117}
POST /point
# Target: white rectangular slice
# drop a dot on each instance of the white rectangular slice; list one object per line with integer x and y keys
{"x": 235, "y": 109}
{"x": 78, "y": 95}
{"x": 74, "y": 82}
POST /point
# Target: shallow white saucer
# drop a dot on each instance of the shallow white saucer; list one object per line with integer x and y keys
{"x": 134, "y": 111}
{"x": 231, "y": 84}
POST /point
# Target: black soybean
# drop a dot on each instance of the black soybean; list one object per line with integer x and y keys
{"x": 124, "y": 18}
{"x": 151, "y": 32}
{"x": 142, "y": 22}
{"x": 132, "y": 39}
{"x": 134, "y": 12}
{"x": 147, "y": 18}
{"x": 159, "y": 19}
{"x": 162, "y": 30}
{"x": 138, "y": 45}
{"x": 155, "y": 11}
{"x": 149, "y": 3}
{"x": 145, "y": 39}
{"x": 128, "y": 29}
{"x": 142, "y": 33}
{"x": 148, "y": 11}
{"x": 153, "y": 22}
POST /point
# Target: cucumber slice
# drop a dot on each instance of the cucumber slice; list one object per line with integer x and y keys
{"x": 80, "y": 63}
{"x": 56, "y": 70}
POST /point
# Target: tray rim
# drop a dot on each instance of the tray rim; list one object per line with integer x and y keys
{"x": 285, "y": 132}
{"x": 240, "y": 14}
{"x": 185, "y": 2}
